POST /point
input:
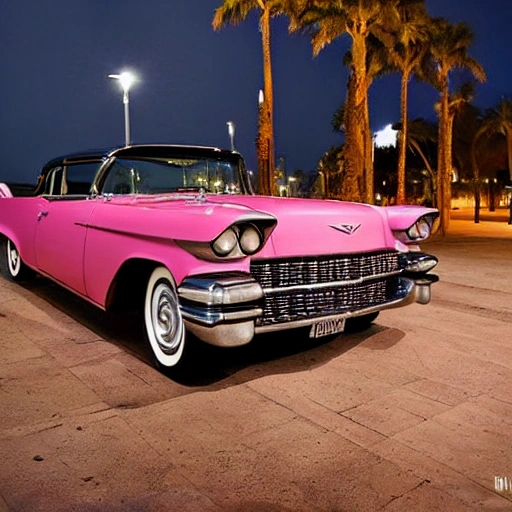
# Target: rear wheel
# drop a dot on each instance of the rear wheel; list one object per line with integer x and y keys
{"x": 164, "y": 326}
{"x": 11, "y": 265}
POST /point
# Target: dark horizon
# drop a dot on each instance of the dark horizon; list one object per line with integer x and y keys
{"x": 55, "y": 97}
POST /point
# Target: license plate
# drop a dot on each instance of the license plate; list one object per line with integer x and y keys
{"x": 327, "y": 327}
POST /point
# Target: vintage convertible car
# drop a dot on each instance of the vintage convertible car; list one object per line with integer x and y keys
{"x": 179, "y": 232}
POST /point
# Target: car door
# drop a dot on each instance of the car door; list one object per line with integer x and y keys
{"x": 61, "y": 228}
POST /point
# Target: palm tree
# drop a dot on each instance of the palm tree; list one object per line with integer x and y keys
{"x": 464, "y": 122}
{"x": 421, "y": 134}
{"x": 377, "y": 64}
{"x": 498, "y": 120}
{"x": 476, "y": 155}
{"x": 233, "y": 12}
{"x": 448, "y": 50}
{"x": 327, "y": 20}
{"x": 485, "y": 144}
{"x": 406, "y": 38}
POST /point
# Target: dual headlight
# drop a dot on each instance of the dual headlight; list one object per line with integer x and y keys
{"x": 419, "y": 231}
{"x": 240, "y": 239}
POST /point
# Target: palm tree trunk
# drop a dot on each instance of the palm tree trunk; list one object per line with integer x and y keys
{"x": 368, "y": 157}
{"x": 444, "y": 167}
{"x": 268, "y": 181}
{"x": 431, "y": 172}
{"x": 449, "y": 168}
{"x": 440, "y": 172}
{"x": 355, "y": 122}
{"x": 476, "y": 180}
{"x": 262, "y": 145}
{"x": 401, "y": 193}
{"x": 353, "y": 151}
{"x": 509, "y": 151}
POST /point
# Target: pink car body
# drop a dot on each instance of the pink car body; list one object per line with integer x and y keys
{"x": 237, "y": 264}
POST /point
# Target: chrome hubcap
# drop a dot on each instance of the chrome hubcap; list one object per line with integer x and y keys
{"x": 166, "y": 320}
{"x": 13, "y": 258}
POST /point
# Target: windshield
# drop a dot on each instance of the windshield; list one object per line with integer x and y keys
{"x": 162, "y": 175}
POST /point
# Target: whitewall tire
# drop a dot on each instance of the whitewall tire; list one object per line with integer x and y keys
{"x": 11, "y": 265}
{"x": 164, "y": 326}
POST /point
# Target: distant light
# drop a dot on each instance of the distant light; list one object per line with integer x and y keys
{"x": 385, "y": 137}
{"x": 260, "y": 97}
{"x": 126, "y": 79}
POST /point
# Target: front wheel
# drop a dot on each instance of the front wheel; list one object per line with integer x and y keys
{"x": 11, "y": 265}
{"x": 164, "y": 326}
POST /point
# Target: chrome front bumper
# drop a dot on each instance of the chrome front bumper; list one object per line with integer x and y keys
{"x": 222, "y": 309}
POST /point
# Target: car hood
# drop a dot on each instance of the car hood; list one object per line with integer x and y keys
{"x": 308, "y": 227}
{"x": 304, "y": 227}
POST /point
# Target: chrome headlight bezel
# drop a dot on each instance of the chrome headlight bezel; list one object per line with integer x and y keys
{"x": 239, "y": 240}
{"x": 225, "y": 243}
{"x": 422, "y": 229}
{"x": 250, "y": 239}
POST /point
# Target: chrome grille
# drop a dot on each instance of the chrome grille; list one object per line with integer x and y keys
{"x": 281, "y": 304}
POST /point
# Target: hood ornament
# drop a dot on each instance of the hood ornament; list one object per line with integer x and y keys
{"x": 201, "y": 196}
{"x": 348, "y": 229}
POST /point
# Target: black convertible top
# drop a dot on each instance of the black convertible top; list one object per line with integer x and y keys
{"x": 134, "y": 151}
{"x": 142, "y": 150}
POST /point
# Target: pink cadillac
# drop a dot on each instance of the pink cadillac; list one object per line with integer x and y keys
{"x": 178, "y": 231}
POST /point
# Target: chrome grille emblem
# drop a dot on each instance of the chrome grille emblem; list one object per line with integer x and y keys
{"x": 348, "y": 229}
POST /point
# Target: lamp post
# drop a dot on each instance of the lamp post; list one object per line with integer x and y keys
{"x": 126, "y": 80}
{"x": 231, "y": 131}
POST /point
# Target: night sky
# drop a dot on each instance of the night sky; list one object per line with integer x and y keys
{"x": 55, "y": 96}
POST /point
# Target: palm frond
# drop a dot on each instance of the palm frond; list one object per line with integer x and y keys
{"x": 233, "y": 12}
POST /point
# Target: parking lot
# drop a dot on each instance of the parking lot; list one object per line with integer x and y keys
{"x": 414, "y": 414}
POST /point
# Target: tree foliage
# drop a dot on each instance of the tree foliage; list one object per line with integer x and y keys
{"x": 234, "y": 12}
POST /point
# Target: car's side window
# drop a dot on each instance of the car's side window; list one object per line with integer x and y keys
{"x": 53, "y": 185}
{"x": 120, "y": 180}
{"x": 71, "y": 179}
{"x": 79, "y": 177}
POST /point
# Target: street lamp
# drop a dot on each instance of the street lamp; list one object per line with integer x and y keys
{"x": 126, "y": 79}
{"x": 231, "y": 131}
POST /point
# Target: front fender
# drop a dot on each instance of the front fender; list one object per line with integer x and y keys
{"x": 165, "y": 217}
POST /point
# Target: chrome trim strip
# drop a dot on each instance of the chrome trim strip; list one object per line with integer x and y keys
{"x": 223, "y": 335}
{"x": 210, "y": 319}
{"x": 419, "y": 262}
{"x": 408, "y": 298}
{"x": 333, "y": 284}
{"x": 218, "y": 290}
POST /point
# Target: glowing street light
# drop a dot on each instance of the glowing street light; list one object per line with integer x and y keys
{"x": 231, "y": 131}
{"x": 126, "y": 79}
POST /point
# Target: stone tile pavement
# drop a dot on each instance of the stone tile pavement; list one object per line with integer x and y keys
{"x": 414, "y": 414}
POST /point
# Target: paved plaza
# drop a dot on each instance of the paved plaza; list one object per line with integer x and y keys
{"x": 414, "y": 414}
